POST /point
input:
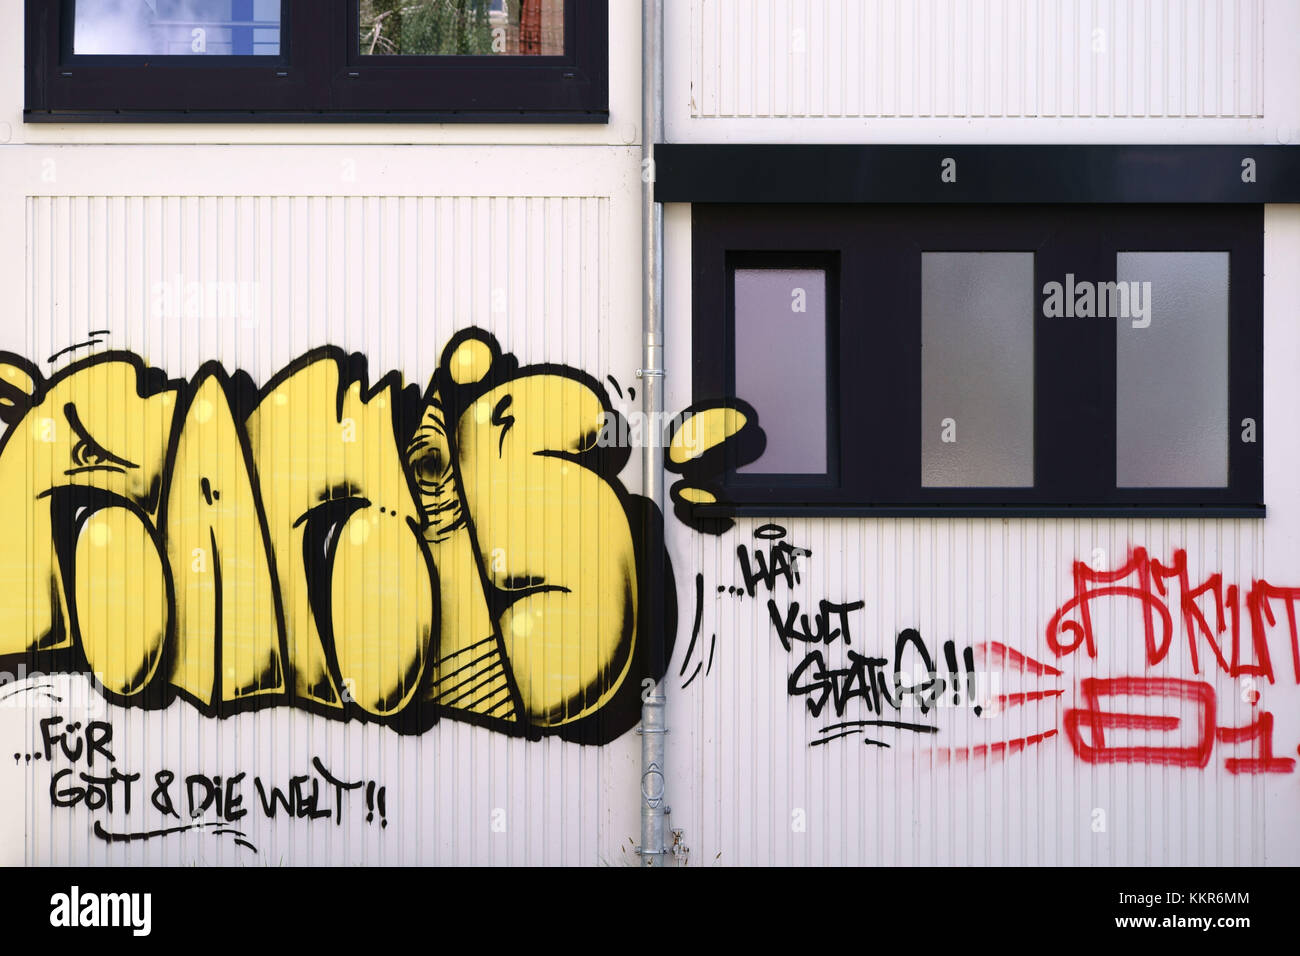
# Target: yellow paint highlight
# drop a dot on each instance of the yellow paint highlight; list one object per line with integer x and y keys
{"x": 45, "y": 453}
{"x": 18, "y": 377}
{"x": 559, "y": 526}
{"x": 697, "y": 496}
{"x": 99, "y": 533}
{"x": 382, "y": 628}
{"x": 121, "y": 600}
{"x": 470, "y": 362}
{"x": 358, "y": 532}
{"x": 702, "y": 431}
{"x": 231, "y": 582}
{"x": 381, "y": 603}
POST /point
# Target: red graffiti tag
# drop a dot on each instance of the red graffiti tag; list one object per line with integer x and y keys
{"x": 1098, "y": 721}
{"x": 1145, "y": 580}
{"x": 1095, "y": 749}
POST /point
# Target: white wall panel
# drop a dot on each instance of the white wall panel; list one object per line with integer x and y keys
{"x": 752, "y": 784}
{"x": 1017, "y": 57}
{"x": 546, "y": 263}
{"x": 887, "y": 70}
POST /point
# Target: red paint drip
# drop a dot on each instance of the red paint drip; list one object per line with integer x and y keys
{"x": 1014, "y": 700}
{"x": 1015, "y": 658}
{"x": 997, "y": 751}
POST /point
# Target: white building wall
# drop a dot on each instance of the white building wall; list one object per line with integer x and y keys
{"x": 982, "y": 71}
{"x": 385, "y": 251}
{"x": 749, "y": 785}
{"x": 389, "y": 239}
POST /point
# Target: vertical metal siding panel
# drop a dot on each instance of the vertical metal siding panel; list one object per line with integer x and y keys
{"x": 728, "y": 20}
{"x": 909, "y": 58}
{"x": 835, "y": 73}
{"x": 1199, "y": 59}
{"x": 1050, "y": 62}
{"x": 757, "y": 79}
{"x": 710, "y": 61}
{"x": 929, "y": 55}
{"x": 889, "y": 52}
{"x": 1194, "y": 66}
{"x": 391, "y": 277}
{"x": 976, "y": 79}
{"x": 998, "y": 57}
{"x": 697, "y": 59}
{"x": 850, "y": 64}
{"x": 1227, "y": 64}
{"x": 1256, "y": 57}
{"x": 1093, "y": 46}
{"x": 969, "y": 580}
{"x": 873, "y": 68}
{"x": 1018, "y": 52}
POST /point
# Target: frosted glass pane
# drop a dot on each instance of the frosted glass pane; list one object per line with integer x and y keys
{"x": 977, "y": 369}
{"x": 781, "y": 365}
{"x": 1171, "y": 389}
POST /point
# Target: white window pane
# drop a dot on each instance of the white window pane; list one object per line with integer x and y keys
{"x": 977, "y": 369}
{"x": 1171, "y": 401}
{"x": 781, "y": 365}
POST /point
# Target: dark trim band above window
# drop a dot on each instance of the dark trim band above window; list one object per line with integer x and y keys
{"x": 976, "y": 174}
{"x": 1081, "y": 360}
{"x": 318, "y": 75}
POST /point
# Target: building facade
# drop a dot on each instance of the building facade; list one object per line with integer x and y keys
{"x": 327, "y": 433}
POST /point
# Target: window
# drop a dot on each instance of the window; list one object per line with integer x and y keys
{"x": 977, "y": 369}
{"x": 242, "y": 60}
{"x": 481, "y": 28}
{"x": 986, "y": 359}
{"x": 783, "y": 319}
{"x": 176, "y": 28}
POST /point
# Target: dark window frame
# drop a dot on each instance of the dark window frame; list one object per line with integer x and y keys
{"x": 319, "y": 76}
{"x": 878, "y": 359}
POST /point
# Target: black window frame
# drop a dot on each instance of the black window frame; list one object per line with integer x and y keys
{"x": 878, "y": 358}
{"x": 319, "y": 75}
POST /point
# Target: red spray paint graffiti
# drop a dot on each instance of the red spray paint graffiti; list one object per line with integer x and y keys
{"x": 1147, "y": 581}
{"x": 1149, "y": 586}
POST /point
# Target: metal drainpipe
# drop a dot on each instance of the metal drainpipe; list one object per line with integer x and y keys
{"x": 653, "y": 723}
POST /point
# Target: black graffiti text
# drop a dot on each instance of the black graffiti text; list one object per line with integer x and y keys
{"x": 779, "y": 562}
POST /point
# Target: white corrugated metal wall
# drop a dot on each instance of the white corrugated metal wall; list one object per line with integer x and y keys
{"x": 547, "y": 263}
{"x": 904, "y": 71}
{"x": 761, "y": 781}
{"x": 943, "y": 58}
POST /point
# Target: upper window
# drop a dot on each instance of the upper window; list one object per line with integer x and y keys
{"x": 176, "y": 27}
{"x": 987, "y": 359}
{"x": 484, "y": 28}
{"x": 415, "y": 60}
